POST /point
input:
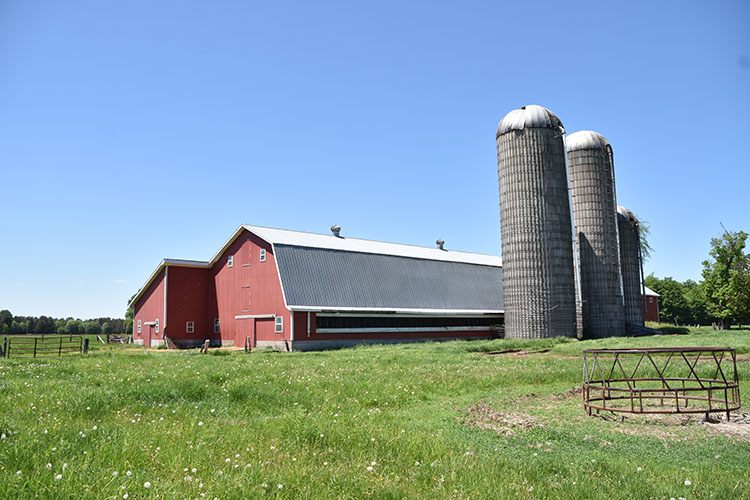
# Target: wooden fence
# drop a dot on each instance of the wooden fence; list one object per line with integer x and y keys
{"x": 43, "y": 347}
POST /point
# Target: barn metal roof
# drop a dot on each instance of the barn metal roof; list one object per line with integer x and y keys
{"x": 329, "y": 241}
{"x": 586, "y": 139}
{"x": 315, "y": 278}
{"x": 326, "y": 272}
{"x": 531, "y": 116}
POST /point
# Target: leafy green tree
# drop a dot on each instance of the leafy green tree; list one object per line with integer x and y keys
{"x": 6, "y": 318}
{"x": 129, "y": 314}
{"x": 696, "y": 300}
{"x": 644, "y": 231}
{"x": 91, "y": 328}
{"x": 673, "y": 306}
{"x": 45, "y": 324}
{"x": 73, "y": 327}
{"x": 727, "y": 278}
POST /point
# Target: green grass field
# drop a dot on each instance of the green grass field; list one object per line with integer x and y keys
{"x": 439, "y": 420}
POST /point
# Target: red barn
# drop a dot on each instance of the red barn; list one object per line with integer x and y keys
{"x": 303, "y": 291}
{"x": 650, "y": 305}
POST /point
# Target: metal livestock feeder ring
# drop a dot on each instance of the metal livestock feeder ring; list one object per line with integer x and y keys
{"x": 661, "y": 380}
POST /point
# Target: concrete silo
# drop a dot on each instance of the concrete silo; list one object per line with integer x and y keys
{"x": 592, "y": 185}
{"x": 538, "y": 278}
{"x": 630, "y": 267}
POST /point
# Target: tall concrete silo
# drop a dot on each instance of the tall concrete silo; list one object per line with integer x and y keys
{"x": 592, "y": 185}
{"x": 630, "y": 263}
{"x": 538, "y": 278}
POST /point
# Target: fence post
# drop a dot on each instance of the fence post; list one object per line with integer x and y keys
{"x": 35, "y": 339}
{"x": 85, "y": 345}
{"x": 59, "y": 351}
{"x": 5, "y": 346}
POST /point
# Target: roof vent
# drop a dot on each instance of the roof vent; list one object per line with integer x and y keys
{"x": 440, "y": 244}
{"x": 336, "y": 230}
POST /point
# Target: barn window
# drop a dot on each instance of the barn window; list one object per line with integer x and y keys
{"x": 279, "y": 324}
{"x": 230, "y": 260}
{"x": 650, "y": 300}
{"x": 190, "y": 327}
{"x": 262, "y": 254}
{"x": 374, "y": 323}
{"x": 217, "y": 328}
{"x": 139, "y": 326}
{"x": 156, "y": 325}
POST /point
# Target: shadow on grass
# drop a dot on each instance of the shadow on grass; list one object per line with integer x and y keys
{"x": 682, "y": 330}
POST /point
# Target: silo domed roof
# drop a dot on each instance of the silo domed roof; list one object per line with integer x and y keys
{"x": 531, "y": 116}
{"x": 626, "y": 214}
{"x": 586, "y": 139}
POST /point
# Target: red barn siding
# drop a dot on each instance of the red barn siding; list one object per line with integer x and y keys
{"x": 300, "y": 326}
{"x": 187, "y": 300}
{"x": 148, "y": 308}
{"x": 249, "y": 287}
{"x": 652, "y": 314}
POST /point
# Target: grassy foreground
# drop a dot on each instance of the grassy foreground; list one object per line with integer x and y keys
{"x": 411, "y": 421}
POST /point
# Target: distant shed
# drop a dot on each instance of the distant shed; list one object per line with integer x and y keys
{"x": 650, "y": 305}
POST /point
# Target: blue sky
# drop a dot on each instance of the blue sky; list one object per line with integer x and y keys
{"x": 132, "y": 131}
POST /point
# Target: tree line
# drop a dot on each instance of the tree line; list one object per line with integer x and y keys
{"x": 722, "y": 297}
{"x": 10, "y": 324}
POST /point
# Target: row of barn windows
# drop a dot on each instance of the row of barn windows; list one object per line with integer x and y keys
{"x": 230, "y": 258}
{"x": 402, "y": 322}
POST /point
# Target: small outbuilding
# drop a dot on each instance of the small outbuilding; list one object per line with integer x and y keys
{"x": 650, "y": 305}
{"x": 293, "y": 290}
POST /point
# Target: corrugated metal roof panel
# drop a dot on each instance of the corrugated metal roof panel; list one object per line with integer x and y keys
{"x": 328, "y": 278}
{"x": 329, "y": 241}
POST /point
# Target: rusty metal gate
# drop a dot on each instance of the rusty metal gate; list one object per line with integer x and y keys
{"x": 42, "y": 347}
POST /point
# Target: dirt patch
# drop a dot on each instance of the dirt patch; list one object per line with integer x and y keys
{"x": 519, "y": 353}
{"x": 482, "y": 416}
{"x": 575, "y": 392}
{"x": 678, "y": 427}
{"x": 737, "y": 426}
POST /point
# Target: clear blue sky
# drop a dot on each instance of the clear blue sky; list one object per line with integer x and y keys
{"x": 136, "y": 130}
